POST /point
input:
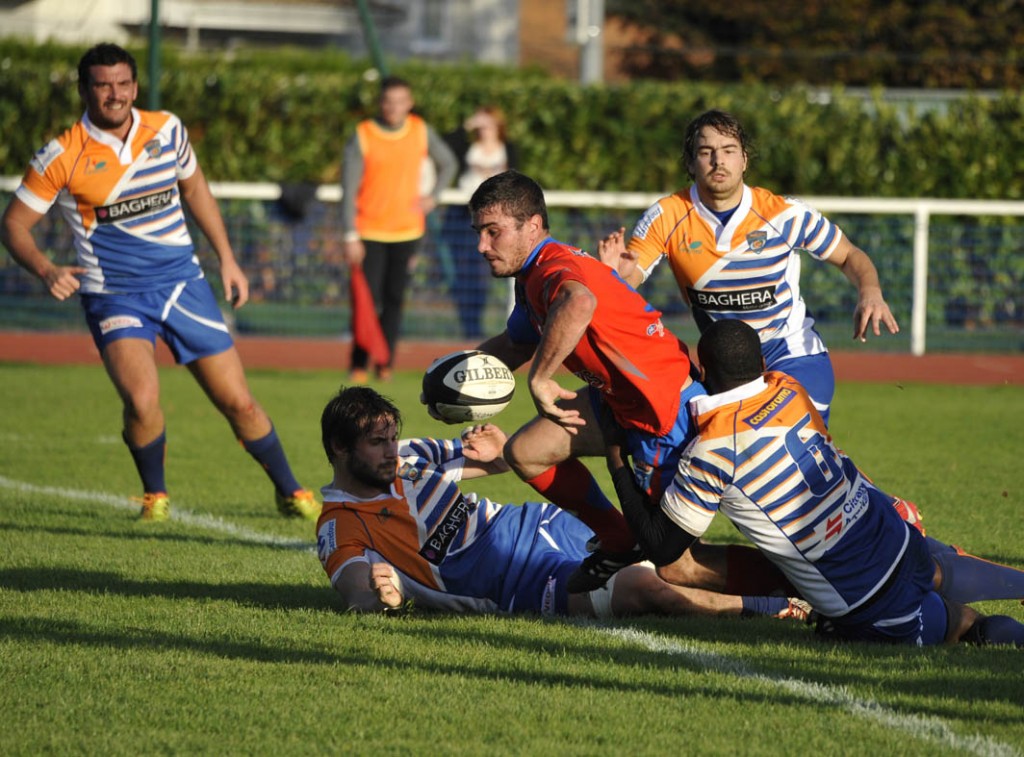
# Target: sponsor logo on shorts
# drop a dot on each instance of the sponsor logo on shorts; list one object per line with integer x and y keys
{"x": 115, "y": 322}
{"x": 45, "y": 156}
{"x": 741, "y": 300}
{"x": 435, "y": 547}
{"x": 548, "y": 603}
{"x": 138, "y": 206}
{"x": 326, "y": 541}
{"x": 771, "y": 408}
{"x": 590, "y": 378}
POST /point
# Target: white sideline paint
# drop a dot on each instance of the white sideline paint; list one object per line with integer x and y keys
{"x": 925, "y": 728}
{"x": 178, "y": 514}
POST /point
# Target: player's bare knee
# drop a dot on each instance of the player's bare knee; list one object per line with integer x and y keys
{"x": 517, "y": 454}
{"x": 675, "y": 573}
{"x": 961, "y": 619}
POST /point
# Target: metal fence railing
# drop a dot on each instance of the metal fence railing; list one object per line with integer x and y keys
{"x": 953, "y": 271}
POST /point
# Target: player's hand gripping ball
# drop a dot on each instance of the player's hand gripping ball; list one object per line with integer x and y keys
{"x": 467, "y": 386}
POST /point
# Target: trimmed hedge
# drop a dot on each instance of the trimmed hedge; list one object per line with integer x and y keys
{"x": 284, "y": 116}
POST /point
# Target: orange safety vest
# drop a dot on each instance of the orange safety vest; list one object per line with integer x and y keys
{"x": 388, "y": 202}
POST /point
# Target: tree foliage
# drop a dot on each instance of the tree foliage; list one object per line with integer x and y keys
{"x": 902, "y": 43}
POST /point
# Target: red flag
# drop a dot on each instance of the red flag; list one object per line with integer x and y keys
{"x": 366, "y": 331}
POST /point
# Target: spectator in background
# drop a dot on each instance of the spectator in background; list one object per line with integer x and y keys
{"x": 119, "y": 176}
{"x": 483, "y": 150}
{"x": 383, "y": 211}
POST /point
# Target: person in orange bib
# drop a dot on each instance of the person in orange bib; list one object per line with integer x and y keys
{"x": 384, "y": 205}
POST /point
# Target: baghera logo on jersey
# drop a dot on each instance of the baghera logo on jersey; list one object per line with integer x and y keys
{"x": 115, "y": 322}
{"x": 138, "y": 206}
{"x": 436, "y": 545}
{"x": 734, "y": 301}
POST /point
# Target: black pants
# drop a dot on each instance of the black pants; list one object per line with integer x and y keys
{"x": 387, "y": 272}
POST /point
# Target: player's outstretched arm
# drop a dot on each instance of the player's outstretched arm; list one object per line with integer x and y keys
{"x": 16, "y": 234}
{"x": 872, "y": 310}
{"x": 482, "y": 446}
{"x": 614, "y": 253}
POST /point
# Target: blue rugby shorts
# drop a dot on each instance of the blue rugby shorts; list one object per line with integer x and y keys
{"x": 186, "y": 316}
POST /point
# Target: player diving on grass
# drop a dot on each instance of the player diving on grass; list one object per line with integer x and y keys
{"x": 763, "y": 457}
{"x": 397, "y": 528}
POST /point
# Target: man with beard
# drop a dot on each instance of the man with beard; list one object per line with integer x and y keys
{"x": 396, "y": 528}
{"x": 119, "y": 177}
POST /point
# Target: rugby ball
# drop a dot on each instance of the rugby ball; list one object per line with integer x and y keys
{"x": 467, "y": 386}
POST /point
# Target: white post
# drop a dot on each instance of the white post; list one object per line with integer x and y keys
{"x": 918, "y": 316}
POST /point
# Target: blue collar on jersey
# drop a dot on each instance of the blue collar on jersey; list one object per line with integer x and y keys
{"x": 723, "y": 216}
{"x": 535, "y": 252}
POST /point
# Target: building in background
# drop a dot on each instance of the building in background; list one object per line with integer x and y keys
{"x": 541, "y": 33}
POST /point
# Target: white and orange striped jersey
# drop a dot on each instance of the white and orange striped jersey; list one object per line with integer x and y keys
{"x": 121, "y": 201}
{"x": 452, "y": 552}
{"x": 764, "y": 458}
{"x": 747, "y": 269}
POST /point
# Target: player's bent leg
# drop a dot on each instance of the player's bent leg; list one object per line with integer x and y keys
{"x": 542, "y": 443}
{"x": 728, "y": 568}
{"x": 638, "y": 590}
{"x": 131, "y": 365}
{"x": 223, "y": 379}
{"x": 963, "y": 577}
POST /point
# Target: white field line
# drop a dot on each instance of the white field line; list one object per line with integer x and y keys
{"x": 921, "y": 727}
{"x": 926, "y": 728}
{"x": 179, "y": 514}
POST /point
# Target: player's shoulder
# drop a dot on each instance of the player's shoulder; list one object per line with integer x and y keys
{"x": 158, "y": 120}
{"x": 68, "y": 143}
{"x": 770, "y": 204}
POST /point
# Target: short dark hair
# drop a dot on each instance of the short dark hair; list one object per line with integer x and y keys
{"x": 730, "y": 354}
{"x": 393, "y": 82}
{"x": 351, "y": 414}
{"x": 105, "y": 54}
{"x": 515, "y": 193}
{"x": 720, "y": 121}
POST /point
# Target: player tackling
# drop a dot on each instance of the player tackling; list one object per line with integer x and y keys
{"x": 763, "y": 457}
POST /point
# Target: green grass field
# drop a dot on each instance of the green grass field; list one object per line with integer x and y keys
{"x": 217, "y": 632}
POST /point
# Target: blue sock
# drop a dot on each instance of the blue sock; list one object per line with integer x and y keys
{"x": 149, "y": 461}
{"x": 966, "y": 578}
{"x": 1000, "y": 629}
{"x": 269, "y": 453}
{"x": 763, "y": 605}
